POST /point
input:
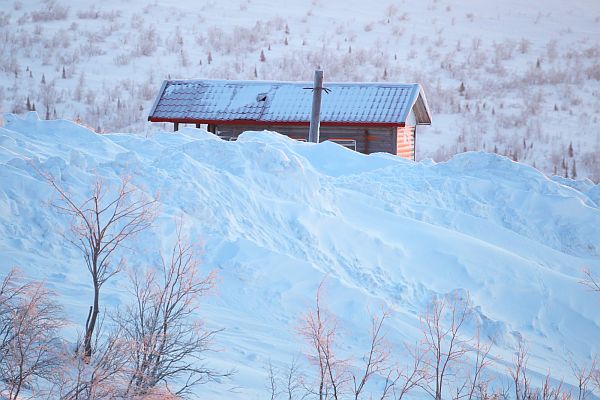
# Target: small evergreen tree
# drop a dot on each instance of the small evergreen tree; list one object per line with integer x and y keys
{"x": 28, "y": 105}
{"x": 571, "y": 149}
{"x": 461, "y": 89}
{"x": 262, "y": 57}
{"x": 64, "y": 73}
{"x": 43, "y": 79}
{"x": 209, "y": 59}
{"x": 573, "y": 170}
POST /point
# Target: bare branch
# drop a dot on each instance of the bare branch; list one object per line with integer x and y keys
{"x": 101, "y": 224}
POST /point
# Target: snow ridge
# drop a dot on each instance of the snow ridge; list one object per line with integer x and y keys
{"x": 276, "y": 216}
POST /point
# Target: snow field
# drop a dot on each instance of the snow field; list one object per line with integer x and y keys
{"x": 276, "y": 217}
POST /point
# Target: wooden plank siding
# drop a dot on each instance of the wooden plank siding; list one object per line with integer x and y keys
{"x": 368, "y": 140}
{"x": 405, "y": 143}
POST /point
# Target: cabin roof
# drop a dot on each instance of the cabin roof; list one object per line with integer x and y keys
{"x": 214, "y": 101}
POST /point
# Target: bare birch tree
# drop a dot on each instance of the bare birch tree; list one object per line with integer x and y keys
{"x": 518, "y": 373}
{"x": 29, "y": 323}
{"x": 442, "y": 336}
{"x": 101, "y": 224}
{"x": 168, "y": 340}
{"x": 101, "y": 376}
{"x": 319, "y": 330}
{"x": 373, "y": 375}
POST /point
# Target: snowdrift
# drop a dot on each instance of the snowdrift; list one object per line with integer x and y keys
{"x": 276, "y": 216}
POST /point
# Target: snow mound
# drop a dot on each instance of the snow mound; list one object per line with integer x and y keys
{"x": 276, "y": 216}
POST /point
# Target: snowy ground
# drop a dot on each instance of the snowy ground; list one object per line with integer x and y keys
{"x": 276, "y": 216}
{"x": 531, "y": 71}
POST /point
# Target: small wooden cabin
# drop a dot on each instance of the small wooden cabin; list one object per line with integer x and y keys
{"x": 366, "y": 117}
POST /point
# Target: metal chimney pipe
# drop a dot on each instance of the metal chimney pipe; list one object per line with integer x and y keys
{"x": 315, "y": 116}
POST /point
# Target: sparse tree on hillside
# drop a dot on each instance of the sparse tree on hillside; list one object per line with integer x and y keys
{"x": 570, "y": 150}
{"x": 339, "y": 378}
{"x": 446, "y": 349}
{"x": 101, "y": 376}
{"x": 319, "y": 329}
{"x": 29, "y": 322}
{"x": 168, "y": 342}
{"x": 101, "y": 224}
{"x": 262, "y": 57}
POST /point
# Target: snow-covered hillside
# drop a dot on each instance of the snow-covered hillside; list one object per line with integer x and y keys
{"x": 276, "y": 216}
{"x": 530, "y": 71}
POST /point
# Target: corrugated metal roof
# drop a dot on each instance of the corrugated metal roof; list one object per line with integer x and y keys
{"x": 216, "y": 100}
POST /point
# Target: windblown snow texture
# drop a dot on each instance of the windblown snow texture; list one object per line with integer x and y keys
{"x": 276, "y": 216}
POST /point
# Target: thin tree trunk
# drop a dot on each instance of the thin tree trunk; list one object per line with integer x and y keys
{"x": 90, "y": 328}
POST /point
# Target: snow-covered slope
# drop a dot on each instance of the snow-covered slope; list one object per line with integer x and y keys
{"x": 276, "y": 216}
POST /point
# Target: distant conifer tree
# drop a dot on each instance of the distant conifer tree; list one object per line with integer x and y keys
{"x": 209, "y": 59}
{"x": 43, "y": 79}
{"x": 571, "y": 149}
{"x": 461, "y": 89}
{"x": 262, "y": 57}
{"x": 64, "y": 73}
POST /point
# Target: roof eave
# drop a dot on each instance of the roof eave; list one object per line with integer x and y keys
{"x": 158, "y": 97}
{"x": 263, "y": 122}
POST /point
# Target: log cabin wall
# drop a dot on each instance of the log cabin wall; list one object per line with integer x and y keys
{"x": 368, "y": 139}
{"x": 405, "y": 142}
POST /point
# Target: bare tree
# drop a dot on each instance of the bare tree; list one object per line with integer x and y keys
{"x": 445, "y": 347}
{"x": 168, "y": 340}
{"x": 590, "y": 280}
{"x": 101, "y": 376}
{"x": 349, "y": 378}
{"x": 595, "y": 373}
{"x": 286, "y": 383}
{"x": 376, "y": 360}
{"x": 408, "y": 378}
{"x": 100, "y": 225}
{"x": 29, "y": 323}
{"x": 518, "y": 373}
{"x": 319, "y": 329}
{"x": 478, "y": 384}
{"x": 584, "y": 376}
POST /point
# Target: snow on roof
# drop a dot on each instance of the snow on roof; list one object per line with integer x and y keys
{"x": 263, "y": 101}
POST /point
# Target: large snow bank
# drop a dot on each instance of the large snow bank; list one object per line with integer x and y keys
{"x": 276, "y": 216}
